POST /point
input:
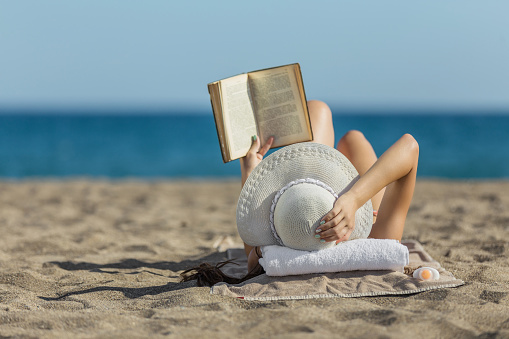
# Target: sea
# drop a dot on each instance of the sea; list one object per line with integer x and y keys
{"x": 184, "y": 145}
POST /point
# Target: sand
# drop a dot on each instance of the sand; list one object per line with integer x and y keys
{"x": 89, "y": 259}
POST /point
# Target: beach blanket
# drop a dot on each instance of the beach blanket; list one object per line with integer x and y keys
{"x": 329, "y": 285}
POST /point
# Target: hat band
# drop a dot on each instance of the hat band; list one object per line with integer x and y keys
{"x": 283, "y": 190}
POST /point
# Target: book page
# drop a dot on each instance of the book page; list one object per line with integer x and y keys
{"x": 239, "y": 120}
{"x": 280, "y": 107}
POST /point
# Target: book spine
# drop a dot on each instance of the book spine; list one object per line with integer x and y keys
{"x": 218, "y": 120}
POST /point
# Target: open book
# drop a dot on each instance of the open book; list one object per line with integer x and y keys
{"x": 268, "y": 102}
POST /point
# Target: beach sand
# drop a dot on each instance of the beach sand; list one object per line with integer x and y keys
{"x": 82, "y": 258}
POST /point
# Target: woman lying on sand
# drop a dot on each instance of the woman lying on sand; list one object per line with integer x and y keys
{"x": 388, "y": 181}
{"x": 319, "y": 178}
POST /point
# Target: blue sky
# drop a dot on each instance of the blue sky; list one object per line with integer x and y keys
{"x": 161, "y": 54}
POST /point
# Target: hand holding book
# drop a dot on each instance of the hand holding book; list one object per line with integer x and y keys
{"x": 254, "y": 156}
{"x": 268, "y": 102}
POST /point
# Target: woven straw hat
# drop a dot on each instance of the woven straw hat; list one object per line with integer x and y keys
{"x": 288, "y": 193}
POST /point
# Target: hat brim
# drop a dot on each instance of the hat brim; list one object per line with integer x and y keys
{"x": 297, "y": 161}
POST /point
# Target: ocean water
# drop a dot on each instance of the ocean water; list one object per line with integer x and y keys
{"x": 144, "y": 145}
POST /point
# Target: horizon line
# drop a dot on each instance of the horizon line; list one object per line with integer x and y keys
{"x": 201, "y": 110}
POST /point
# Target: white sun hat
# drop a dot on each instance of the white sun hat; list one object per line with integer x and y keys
{"x": 287, "y": 194}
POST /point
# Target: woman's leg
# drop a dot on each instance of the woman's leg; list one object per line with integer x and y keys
{"x": 321, "y": 122}
{"x": 359, "y": 151}
{"x": 398, "y": 196}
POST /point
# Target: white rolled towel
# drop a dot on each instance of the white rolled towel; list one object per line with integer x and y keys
{"x": 352, "y": 255}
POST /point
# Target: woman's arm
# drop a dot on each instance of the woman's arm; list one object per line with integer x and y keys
{"x": 396, "y": 169}
{"x": 254, "y": 156}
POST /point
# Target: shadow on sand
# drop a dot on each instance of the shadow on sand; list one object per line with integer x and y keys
{"x": 131, "y": 264}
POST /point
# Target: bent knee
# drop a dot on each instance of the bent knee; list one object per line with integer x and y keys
{"x": 411, "y": 143}
{"x": 351, "y": 137}
{"x": 319, "y": 108}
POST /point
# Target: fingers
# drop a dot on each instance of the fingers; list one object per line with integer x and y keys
{"x": 255, "y": 144}
{"x": 334, "y": 233}
{"x": 265, "y": 148}
{"x": 337, "y": 233}
{"x": 337, "y": 228}
{"x": 331, "y": 219}
{"x": 346, "y": 236}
